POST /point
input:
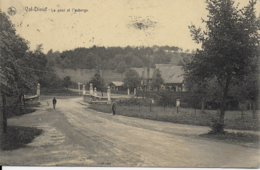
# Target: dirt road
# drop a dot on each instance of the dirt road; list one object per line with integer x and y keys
{"x": 77, "y": 136}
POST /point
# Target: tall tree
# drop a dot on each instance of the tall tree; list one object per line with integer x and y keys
{"x": 67, "y": 82}
{"x": 229, "y": 43}
{"x": 157, "y": 80}
{"x": 98, "y": 82}
{"x": 13, "y": 63}
{"x": 132, "y": 79}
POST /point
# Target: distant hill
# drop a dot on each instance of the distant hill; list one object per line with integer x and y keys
{"x": 85, "y": 75}
{"x": 117, "y": 59}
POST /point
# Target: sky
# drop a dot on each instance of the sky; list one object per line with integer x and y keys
{"x": 67, "y": 24}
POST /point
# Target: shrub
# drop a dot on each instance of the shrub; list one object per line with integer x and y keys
{"x": 134, "y": 101}
{"x": 216, "y": 127}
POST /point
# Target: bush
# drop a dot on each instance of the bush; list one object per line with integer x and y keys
{"x": 216, "y": 127}
{"x": 168, "y": 98}
{"x": 134, "y": 101}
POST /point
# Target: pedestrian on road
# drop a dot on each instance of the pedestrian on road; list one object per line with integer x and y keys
{"x": 54, "y": 101}
{"x": 114, "y": 108}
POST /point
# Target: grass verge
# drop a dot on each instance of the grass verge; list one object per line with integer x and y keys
{"x": 233, "y": 120}
{"x": 245, "y": 139}
{"x": 18, "y": 136}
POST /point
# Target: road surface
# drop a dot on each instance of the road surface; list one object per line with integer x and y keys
{"x": 74, "y": 135}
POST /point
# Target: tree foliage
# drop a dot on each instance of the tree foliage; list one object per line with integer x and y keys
{"x": 157, "y": 80}
{"x": 110, "y": 57}
{"x": 67, "y": 82}
{"x": 14, "y": 58}
{"x": 132, "y": 79}
{"x": 98, "y": 82}
{"x": 229, "y": 44}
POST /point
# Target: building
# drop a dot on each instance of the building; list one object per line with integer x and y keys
{"x": 146, "y": 75}
{"x": 173, "y": 76}
{"x": 117, "y": 85}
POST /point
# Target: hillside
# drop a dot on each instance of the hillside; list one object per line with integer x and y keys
{"x": 84, "y": 75}
{"x": 116, "y": 58}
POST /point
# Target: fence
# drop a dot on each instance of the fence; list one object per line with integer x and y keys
{"x": 233, "y": 119}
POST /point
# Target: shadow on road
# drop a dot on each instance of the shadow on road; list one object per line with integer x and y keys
{"x": 16, "y": 112}
{"x": 18, "y": 136}
{"x": 244, "y": 139}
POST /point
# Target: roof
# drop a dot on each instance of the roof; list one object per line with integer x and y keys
{"x": 171, "y": 73}
{"x": 142, "y": 72}
{"x": 117, "y": 83}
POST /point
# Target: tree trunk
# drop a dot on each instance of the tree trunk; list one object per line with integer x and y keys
{"x": 1, "y": 124}
{"x": 23, "y": 100}
{"x": 241, "y": 108}
{"x": 242, "y": 114}
{"x": 195, "y": 112}
{"x": 4, "y": 113}
{"x": 221, "y": 118}
{"x": 220, "y": 126}
{"x": 202, "y": 105}
{"x": 150, "y": 106}
{"x": 21, "y": 104}
{"x": 254, "y": 109}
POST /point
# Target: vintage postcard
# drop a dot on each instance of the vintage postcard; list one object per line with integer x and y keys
{"x": 129, "y": 83}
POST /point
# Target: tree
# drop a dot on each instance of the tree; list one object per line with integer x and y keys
{"x": 136, "y": 62}
{"x": 15, "y": 78}
{"x": 202, "y": 91}
{"x": 121, "y": 67}
{"x": 157, "y": 80}
{"x": 67, "y": 82}
{"x": 229, "y": 43}
{"x": 247, "y": 91}
{"x": 98, "y": 82}
{"x": 132, "y": 79}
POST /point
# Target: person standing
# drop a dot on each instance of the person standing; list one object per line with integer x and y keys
{"x": 114, "y": 108}
{"x": 54, "y": 101}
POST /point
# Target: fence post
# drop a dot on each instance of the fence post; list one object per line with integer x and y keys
{"x": 95, "y": 92}
{"x": 79, "y": 87}
{"x": 84, "y": 89}
{"x": 38, "y": 91}
{"x": 178, "y": 103}
{"x": 150, "y": 105}
{"x": 91, "y": 89}
{"x": 108, "y": 95}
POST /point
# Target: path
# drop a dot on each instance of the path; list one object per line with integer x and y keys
{"x": 76, "y": 135}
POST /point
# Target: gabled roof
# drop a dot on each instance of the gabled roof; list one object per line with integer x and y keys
{"x": 142, "y": 72}
{"x": 117, "y": 83}
{"x": 171, "y": 73}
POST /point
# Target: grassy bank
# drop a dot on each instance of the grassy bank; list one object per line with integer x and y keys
{"x": 18, "y": 136}
{"x": 233, "y": 119}
{"x": 244, "y": 139}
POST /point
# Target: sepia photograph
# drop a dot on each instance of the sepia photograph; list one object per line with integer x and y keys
{"x": 130, "y": 83}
